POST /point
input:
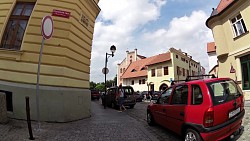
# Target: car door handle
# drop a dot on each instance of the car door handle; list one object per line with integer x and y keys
{"x": 181, "y": 113}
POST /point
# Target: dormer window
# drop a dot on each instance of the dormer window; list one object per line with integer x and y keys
{"x": 133, "y": 70}
{"x": 143, "y": 68}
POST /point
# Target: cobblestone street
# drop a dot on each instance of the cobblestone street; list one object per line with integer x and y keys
{"x": 105, "y": 124}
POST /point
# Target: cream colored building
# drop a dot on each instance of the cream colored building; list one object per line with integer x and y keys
{"x": 176, "y": 66}
{"x": 156, "y": 72}
{"x": 230, "y": 24}
{"x": 65, "y": 69}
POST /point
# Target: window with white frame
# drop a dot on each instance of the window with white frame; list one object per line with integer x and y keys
{"x": 159, "y": 71}
{"x": 238, "y": 25}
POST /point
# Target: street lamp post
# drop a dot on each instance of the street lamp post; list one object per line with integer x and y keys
{"x": 105, "y": 71}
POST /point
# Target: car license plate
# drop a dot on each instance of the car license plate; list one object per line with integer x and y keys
{"x": 234, "y": 112}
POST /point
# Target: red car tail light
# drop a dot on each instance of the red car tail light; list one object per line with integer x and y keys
{"x": 242, "y": 103}
{"x": 209, "y": 117}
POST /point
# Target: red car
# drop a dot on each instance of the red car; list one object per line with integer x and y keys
{"x": 208, "y": 109}
{"x": 95, "y": 94}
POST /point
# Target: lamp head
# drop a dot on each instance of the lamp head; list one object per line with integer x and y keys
{"x": 113, "y": 49}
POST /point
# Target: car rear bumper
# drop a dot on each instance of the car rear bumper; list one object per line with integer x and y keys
{"x": 221, "y": 132}
{"x": 95, "y": 96}
{"x": 129, "y": 103}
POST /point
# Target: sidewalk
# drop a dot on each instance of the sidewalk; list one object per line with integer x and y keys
{"x": 105, "y": 124}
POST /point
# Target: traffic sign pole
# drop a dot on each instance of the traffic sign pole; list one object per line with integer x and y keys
{"x": 37, "y": 85}
{"x": 47, "y": 31}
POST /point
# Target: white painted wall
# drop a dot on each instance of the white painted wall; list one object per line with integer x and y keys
{"x": 136, "y": 86}
{"x": 212, "y": 59}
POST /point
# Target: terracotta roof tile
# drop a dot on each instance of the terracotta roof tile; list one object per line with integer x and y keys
{"x": 139, "y": 64}
{"x": 223, "y": 4}
{"x": 140, "y": 56}
{"x": 211, "y": 47}
{"x": 160, "y": 58}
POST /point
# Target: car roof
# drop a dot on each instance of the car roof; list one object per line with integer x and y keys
{"x": 208, "y": 80}
{"x": 122, "y": 87}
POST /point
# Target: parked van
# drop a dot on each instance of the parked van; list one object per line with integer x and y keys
{"x": 129, "y": 98}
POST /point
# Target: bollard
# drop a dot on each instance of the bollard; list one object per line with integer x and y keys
{"x": 28, "y": 118}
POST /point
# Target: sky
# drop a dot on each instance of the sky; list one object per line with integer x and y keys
{"x": 151, "y": 27}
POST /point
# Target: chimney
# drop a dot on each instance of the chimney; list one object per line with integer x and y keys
{"x": 135, "y": 54}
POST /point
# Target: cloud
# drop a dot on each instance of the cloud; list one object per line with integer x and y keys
{"x": 116, "y": 24}
{"x": 127, "y": 24}
{"x": 187, "y": 33}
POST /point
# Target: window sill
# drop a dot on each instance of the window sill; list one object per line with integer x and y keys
{"x": 10, "y": 54}
{"x": 235, "y": 38}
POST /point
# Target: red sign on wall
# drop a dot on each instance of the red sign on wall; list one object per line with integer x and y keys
{"x": 60, "y": 13}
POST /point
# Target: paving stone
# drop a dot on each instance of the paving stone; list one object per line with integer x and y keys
{"x": 104, "y": 124}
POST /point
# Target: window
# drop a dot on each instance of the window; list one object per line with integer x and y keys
{"x": 245, "y": 66}
{"x": 238, "y": 25}
{"x": 223, "y": 91}
{"x": 183, "y": 71}
{"x": 139, "y": 81}
{"x": 130, "y": 61}
{"x": 152, "y": 72}
{"x": 133, "y": 70}
{"x": 197, "y": 97}
{"x": 178, "y": 70}
{"x": 120, "y": 70}
{"x": 143, "y": 81}
{"x": 187, "y": 72}
{"x": 165, "y": 70}
{"x": 159, "y": 71}
{"x": 176, "y": 56}
{"x": 180, "y": 95}
{"x": 132, "y": 82}
{"x": 123, "y": 70}
{"x": 164, "y": 99}
{"x": 14, "y": 31}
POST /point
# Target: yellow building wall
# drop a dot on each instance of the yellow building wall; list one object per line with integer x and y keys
{"x": 66, "y": 56}
{"x": 178, "y": 62}
{"x": 159, "y": 80}
{"x": 172, "y": 70}
{"x": 225, "y": 40}
{"x": 236, "y": 46}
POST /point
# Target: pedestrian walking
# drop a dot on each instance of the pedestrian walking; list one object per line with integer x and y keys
{"x": 151, "y": 94}
{"x": 121, "y": 98}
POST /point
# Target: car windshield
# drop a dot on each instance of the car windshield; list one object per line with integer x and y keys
{"x": 223, "y": 91}
{"x": 128, "y": 91}
{"x": 167, "y": 91}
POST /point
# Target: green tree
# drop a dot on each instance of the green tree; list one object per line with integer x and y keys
{"x": 100, "y": 87}
{"x": 92, "y": 85}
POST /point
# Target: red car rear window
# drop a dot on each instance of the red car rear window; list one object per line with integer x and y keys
{"x": 223, "y": 91}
